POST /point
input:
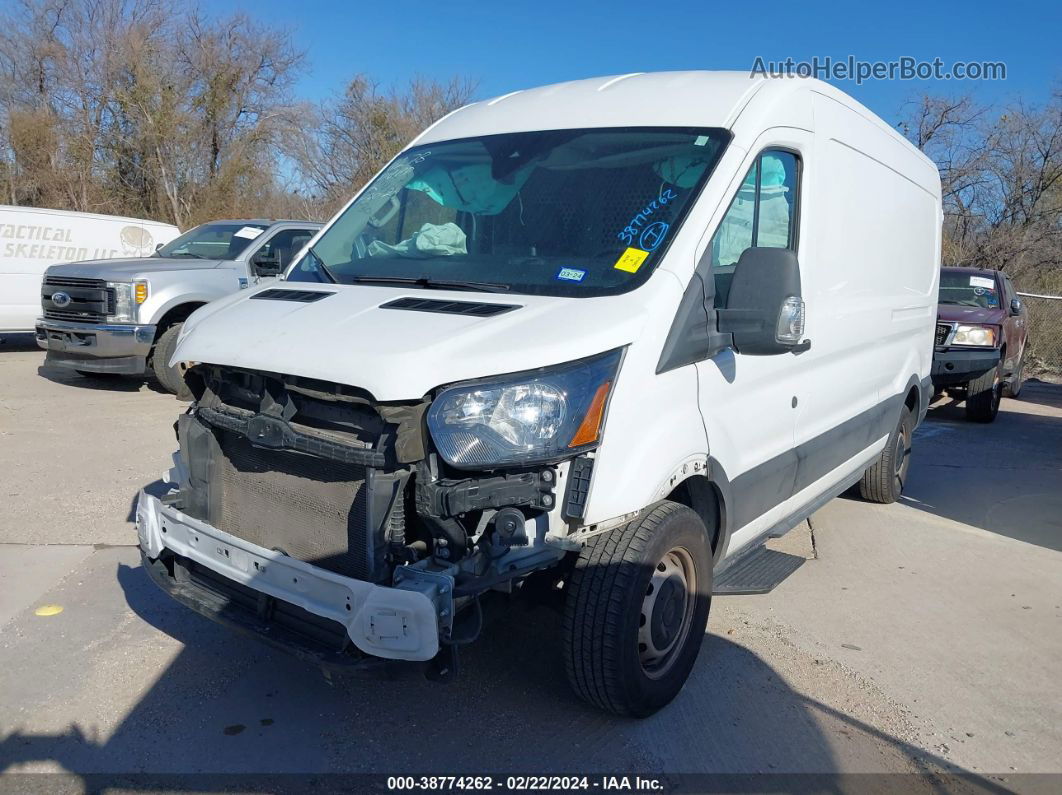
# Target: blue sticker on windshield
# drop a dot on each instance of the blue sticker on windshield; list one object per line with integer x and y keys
{"x": 571, "y": 274}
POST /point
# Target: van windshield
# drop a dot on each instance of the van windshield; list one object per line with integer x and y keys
{"x": 225, "y": 240}
{"x": 559, "y": 212}
{"x": 965, "y": 289}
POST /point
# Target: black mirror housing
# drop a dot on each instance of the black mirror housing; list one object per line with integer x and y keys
{"x": 764, "y": 283}
{"x": 1015, "y": 306}
{"x": 266, "y": 265}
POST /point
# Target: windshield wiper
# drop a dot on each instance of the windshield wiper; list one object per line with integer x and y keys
{"x": 427, "y": 283}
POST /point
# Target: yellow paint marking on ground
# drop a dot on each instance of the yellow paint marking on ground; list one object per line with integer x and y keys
{"x": 48, "y": 610}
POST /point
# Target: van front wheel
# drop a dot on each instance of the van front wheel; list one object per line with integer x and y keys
{"x": 883, "y": 480}
{"x": 636, "y": 610}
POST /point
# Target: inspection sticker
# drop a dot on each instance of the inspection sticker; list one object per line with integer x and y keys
{"x": 571, "y": 274}
{"x": 981, "y": 281}
{"x": 630, "y": 260}
{"x": 249, "y": 232}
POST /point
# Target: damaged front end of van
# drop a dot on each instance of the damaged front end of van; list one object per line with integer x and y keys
{"x": 316, "y": 517}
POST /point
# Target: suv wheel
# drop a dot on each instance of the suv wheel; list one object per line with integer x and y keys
{"x": 169, "y": 377}
{"x": 883, "y": 481}
{"x": 636, "y": 610}
{"x": 982, "y": 396}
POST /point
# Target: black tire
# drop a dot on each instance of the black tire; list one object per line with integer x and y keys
{"x": 982, "y": 396}
{"x": 1012, "y": 388}
{"x": 883, "y": 481}
{"x": 617, "y": 658}
{"x": 169, "y": 377}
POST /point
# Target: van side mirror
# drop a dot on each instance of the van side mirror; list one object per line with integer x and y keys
{"x": 1015, "y": 306}
{"x": 764, "y": 310}
{"x": 158, "y": 246}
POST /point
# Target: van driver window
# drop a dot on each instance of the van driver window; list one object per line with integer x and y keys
{"x": 762, "y": 215}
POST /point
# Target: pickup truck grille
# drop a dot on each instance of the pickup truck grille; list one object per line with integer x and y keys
{"x": 943, "y": 330}
{"x": 91, "y": 301}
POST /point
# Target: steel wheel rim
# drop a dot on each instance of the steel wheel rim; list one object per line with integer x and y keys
{"x": 666, "y": 612}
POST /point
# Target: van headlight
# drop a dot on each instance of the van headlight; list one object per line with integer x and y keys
{"x": 981, "y": 336}
{"x": 525, "y": 418}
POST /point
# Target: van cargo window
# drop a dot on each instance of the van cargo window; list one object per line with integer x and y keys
{"x": 558, "y": 212}
{"x": 762, "y": 214}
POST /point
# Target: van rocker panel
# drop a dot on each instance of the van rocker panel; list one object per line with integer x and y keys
{"x": 393, "y": 623}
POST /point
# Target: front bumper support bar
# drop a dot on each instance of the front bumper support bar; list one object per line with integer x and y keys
{"x": 393, "y": 623}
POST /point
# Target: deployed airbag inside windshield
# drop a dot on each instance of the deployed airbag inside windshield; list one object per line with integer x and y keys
{"x": 523, "y": 210}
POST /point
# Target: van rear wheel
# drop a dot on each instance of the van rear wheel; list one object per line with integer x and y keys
{"x": 636, "y": 610}
{"x": 883, "y": 481}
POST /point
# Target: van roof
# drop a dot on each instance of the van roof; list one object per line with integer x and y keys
{"x": 76, "y": 214}
{"x": 639, "y": 99}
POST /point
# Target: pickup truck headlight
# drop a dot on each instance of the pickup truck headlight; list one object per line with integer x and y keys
{"x": 981, "y": 336}
{"x": 526, "y": 418}
{"x": 127, "y": 297}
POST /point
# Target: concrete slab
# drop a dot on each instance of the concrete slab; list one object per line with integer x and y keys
{"x": 27, "y": 572}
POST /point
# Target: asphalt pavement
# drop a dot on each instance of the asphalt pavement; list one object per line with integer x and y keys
{"x": 920, "y": 636}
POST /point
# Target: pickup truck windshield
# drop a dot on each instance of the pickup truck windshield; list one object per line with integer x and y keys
{"x": 560, "y": 212}
{"x": 212, "y": 241}
{"x": 965, "y": 289}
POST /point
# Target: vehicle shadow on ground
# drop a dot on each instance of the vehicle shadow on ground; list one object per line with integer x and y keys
{"x": 18, "y": 343}
{"x": 103, "y": 381}
{"x": 229, "y": 705}
{"x": 1014, "y": 462}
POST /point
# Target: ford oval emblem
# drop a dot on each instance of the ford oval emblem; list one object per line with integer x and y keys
{"x": 60, "y": 300}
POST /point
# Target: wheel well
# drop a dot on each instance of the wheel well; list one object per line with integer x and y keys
{"x": 177, "y": 314}
{"x": 911, "y": 401}
{"x": 701, "y": 496}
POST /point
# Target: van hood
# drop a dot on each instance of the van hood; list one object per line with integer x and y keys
{"x": 401, "y": 354}
{"x": 116, "y": 270}
{"x": 957, "y": 313}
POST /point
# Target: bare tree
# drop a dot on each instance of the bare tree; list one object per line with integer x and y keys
{"x": 354, "y": 136}
{"x": 1001, "y": 178}
{"x": 141, "y": 107}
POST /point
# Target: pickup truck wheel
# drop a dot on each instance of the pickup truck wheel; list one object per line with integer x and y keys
{"x": 883, "y": 481}
{"x": 1017, "y": 381}
{"x": 636, "y": 610}
{"x": 982, "y": 396}
{"x": 169, "y": 377}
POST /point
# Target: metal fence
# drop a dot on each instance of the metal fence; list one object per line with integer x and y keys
{"x": 1043, "y": 357}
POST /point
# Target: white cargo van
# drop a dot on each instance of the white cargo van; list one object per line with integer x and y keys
{"x": 597, "y": 340}
{"x": 31, "y": 239}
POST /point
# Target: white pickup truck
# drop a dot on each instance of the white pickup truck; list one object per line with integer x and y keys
{"x": 123, "y": 316}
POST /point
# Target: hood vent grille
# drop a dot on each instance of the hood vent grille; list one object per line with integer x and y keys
{"x": 300, "y": 296}
{"x": 471, "y": 308}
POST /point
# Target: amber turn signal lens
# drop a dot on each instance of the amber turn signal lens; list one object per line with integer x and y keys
{"x": 591, "y": 424}
{"x": 140, "y": 292}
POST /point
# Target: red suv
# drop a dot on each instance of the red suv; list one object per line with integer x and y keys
{"x": 982, "y": 328}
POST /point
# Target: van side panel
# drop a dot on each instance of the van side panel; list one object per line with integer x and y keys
{"x": 31, "y": 240}
{"x": 871, "y": 287}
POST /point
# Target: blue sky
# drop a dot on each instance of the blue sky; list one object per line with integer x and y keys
{"x": 510, "y": 45}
